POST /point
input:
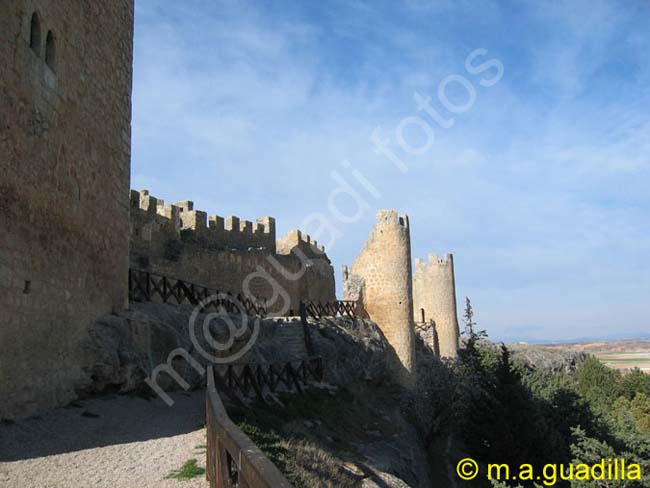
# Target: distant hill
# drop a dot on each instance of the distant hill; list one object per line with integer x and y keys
{"x": 595, "y": 347}
{"x": 622, "y": 354}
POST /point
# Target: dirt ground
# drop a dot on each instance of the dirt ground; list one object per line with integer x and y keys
{"x": 108, "y": 442}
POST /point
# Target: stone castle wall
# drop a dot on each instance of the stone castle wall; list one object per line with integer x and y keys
{"x": 228, "y": 254}
{"x": 381, "y": 280}
{"x": 65, "y": 115}
{"x": 70, "y": 229}
{"x": 434, "y": 292}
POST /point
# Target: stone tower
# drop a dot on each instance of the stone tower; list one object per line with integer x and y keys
{"x": 434, "y": 291}
{"x": 65, "y": 129}
{"x": 381, "y": 280}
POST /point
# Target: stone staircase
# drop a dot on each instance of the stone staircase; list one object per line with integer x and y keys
{"x": 291, "y": 335}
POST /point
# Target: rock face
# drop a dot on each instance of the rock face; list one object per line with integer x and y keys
{"x": 549, "y": 359}
{"x": 353, "y": 351}
{"x": 124, "y": 349}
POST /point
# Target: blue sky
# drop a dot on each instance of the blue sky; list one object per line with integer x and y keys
{"x": 539, "y": 188}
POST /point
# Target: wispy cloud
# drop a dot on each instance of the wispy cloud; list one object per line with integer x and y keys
{"x": 540, "y": 189}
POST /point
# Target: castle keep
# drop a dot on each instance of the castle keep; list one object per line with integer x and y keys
{"x": 65, "y": 129}
{"x": 434, "y": 300}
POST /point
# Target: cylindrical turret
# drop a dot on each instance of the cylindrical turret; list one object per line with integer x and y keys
{"x": 381, "y": 278}
{"x": 434, "y": 291}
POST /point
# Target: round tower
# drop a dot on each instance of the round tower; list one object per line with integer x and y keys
{"x": 381, "y": 279}
{"x": 434, "y": 291}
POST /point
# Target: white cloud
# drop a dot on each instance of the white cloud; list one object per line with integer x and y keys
{"x": 540, "y": 189}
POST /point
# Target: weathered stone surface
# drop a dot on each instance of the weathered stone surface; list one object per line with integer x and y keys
{"x": 229, "y": 255}
{"x": 65, "y": 115}
{"x": 354, "y": 350}
{"x": 434, "y": 292}
{"x": 123, "y": 349}
{"x": 381, "y": 280}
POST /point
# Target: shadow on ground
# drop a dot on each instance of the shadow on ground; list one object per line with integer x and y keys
{"x": 99, "y": 422}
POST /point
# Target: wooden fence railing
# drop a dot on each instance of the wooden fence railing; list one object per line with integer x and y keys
{"x": 233, "y": 460}
{"x": 318, "y": 310}
{"x": 425, "y": 326}
{"x": 145, "y": 286}
{"x": 256, "y": 378}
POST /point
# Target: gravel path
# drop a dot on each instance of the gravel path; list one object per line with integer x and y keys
{"x": 109, "y": 442}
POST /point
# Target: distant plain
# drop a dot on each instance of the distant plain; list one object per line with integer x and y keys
{"x": 624, "y": 354}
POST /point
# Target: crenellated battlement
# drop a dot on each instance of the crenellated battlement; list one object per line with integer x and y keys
{"x": 230, "y": 232}
{"x": 446, "y": 260}
{"x": 297, "y": 239}
{"x": 386, "y": 216}
{"x": 228, "y": 253}
{"x": 434, "y": 299}
{"x": 434, "y": 261}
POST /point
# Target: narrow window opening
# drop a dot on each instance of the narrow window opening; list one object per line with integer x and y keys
{"x": 35, "y": 35}
{"x": 50, "y": 51}
{"x": 27, "y": 288}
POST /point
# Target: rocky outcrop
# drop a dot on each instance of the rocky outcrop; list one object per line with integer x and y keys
{"x": 124, "y": 349}
{"x": 549, "y": 359}
{"x": 353, "y": 350}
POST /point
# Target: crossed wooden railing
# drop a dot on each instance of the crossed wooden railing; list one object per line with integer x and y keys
{"x": 318, "y": 310}
{"x": 145, "y": 286}
{"x": 233, "y": 460}
{"x": 425, "y": 326}
{"x": 256, "y": 378}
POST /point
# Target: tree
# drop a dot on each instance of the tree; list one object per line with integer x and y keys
{"x": 469, "y": 318}
{"x": 640, "y": 409}
{"x": 590, "y": 451}
{"x": 636, "y": 381}
{"x": 599, "y": 384}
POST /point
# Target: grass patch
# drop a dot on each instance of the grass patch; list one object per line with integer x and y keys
{"x": 188, "y": 471}
{"x": 343, "y": 416}
{"x": 314, "y": 433}
{"x": 269, "y": 441}
{"x": 310, "y": 466}
{"x": 304, "y": 463}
